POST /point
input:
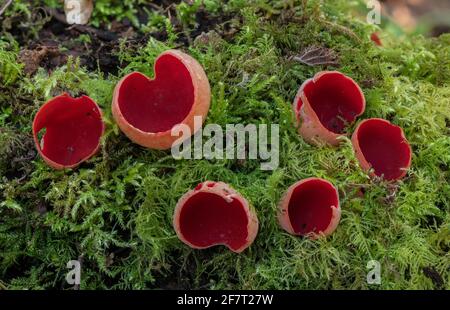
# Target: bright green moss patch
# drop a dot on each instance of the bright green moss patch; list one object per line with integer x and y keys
{"x": 114, "y": 213}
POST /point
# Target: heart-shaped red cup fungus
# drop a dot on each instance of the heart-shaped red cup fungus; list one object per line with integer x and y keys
{"x": 382, "y": 149}
{"x": 310, "y": 208}
{"x": 325, "y": 105}
{"x": 147, "y": 109}
{"x": 73, "y": 129}
{"x": 215, "y": 214}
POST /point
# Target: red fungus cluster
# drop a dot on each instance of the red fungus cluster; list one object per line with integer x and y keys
{"x": 326, "y": 104}
{"x": 215, "y": 214}
{"x": 67, "y": 131}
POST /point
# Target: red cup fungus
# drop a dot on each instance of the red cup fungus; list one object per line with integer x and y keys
{"x": 382, "y": 149}
{"x": 215, "y": 214}
{"x": 147, "y": 109}
{"x": 310, "y": 208}
{"x": 325, "y": 105}
{"x": 375, "y": 38}
{"x": 67, "y": 131}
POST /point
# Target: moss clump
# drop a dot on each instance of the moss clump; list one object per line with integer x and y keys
{"x": 114, "y": 213}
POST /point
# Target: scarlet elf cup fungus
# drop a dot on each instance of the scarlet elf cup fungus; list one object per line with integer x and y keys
{"x": 215, "y": 214}
{"x": 146, "y": 109}
{"x": 382, "y": 148}
{"x": 325, "y": 104}
{"x": 311, "y": 208}
{"x": 73, "y": 128}
{"x": 375, "y": 38}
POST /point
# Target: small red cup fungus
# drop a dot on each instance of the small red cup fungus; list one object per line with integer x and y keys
{"x": 215, "y": 214}
{"x": 147, "y": 109}
{"x": 375, "y": 38}
{"x": 73, "y": 128}
{"x": 310, "y": 208}
{"x": 382, "y": 146}
{"x": 325, "y": 105}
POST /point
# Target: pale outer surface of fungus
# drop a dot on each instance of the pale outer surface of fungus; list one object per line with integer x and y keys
{"x": 310, "y": 126}
{"x": 365, "y": 165}
{"x": 78, "y": 11}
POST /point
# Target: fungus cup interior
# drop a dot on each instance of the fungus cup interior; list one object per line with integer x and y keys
{"x": 310, "y": 206}
{"x": 384, "y": 147}
{"x": 70, "y": 129}
{"x": 336, "y": 99}
{"x": 208, "y": 219}
{"x": 157, "y": 105}
{"x": 376, "y": 39}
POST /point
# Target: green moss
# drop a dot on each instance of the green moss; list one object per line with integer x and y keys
{"x": 115, "y": 212}
{"x": 10, "y": 70}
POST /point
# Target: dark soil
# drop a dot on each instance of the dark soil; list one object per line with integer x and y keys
{"x": 56, "y": 40}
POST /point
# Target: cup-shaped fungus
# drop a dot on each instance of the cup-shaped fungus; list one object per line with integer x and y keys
{"x": 147, "y": 109}
{"x": 375, "y": 38}
{"x": 215, "y": 214}
{"x": 382, "y": 149}
{"x": 310, "y": 208}
{"x": 67, "y": 131}
{"x": 325, "y": 105}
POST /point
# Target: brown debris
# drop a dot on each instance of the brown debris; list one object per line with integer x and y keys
{"x": 5, "y": 6}
{"x": 33, "y": 58}
{"x": 317, "y": 56}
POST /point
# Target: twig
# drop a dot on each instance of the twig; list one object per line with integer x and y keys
{"x": 314, "y": 55}
{"x": 155, "y": 6}
{"x": 344, "y": 29}
{"x": 5, "y": 6}
{"x": 304, "y": 6}
{"x": 2, "y": 286}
